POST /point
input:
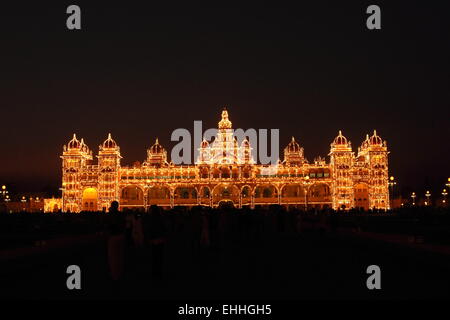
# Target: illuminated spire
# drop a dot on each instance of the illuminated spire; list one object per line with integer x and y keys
{"x": 225, "y": 123}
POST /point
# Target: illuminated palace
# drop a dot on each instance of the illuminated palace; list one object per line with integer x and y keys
{"x": 225, "y": 171}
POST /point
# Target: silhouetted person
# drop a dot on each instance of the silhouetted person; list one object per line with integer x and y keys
{"x": 116, "y": 242}
{"x": 204, "y": 239}
{"x": 114, "y": 208}
{"x": 116, "y": 248}
{"x": 137, "y": 231}
{"x": 157, "y": 235}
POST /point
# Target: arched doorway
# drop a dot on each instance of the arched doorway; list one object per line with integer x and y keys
{"x": 185, "y": 195}
{"x": 266, "y": 194}
{"x": 90, "y": 197}
{"x": 131, "y": 196}
{"x": 205, "y": 196}
{"x": 319, "y": 195}
{"x": 294, "y": 194}
{"x": 246, "y": 195}
{"x": 158, "y": 195}
{"x": 225, "y": 192}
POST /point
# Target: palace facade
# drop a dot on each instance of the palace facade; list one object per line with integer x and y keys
{"x": 226, "y": 172}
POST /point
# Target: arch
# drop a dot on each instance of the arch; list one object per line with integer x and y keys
{"x": 361, "y": 192}
{"x": 131, "y": 196}
{"x": 204, "y": 173}
{"x": 158, "y": 195}
{"x": 319, "y": 193}
{"x": 246, "y": 195}
{"x": 185, "y": 195}
{"x": 205, "y": 195}
{"x": 246, "y": 172}
{"x": 216, "y": 173}
{"x": 265, "y": 194}
{"x": 293, "y": 194}
{"x": 225, "y": 172}
{"x": 225, "y": 192}
{"x": 89, "y": 199}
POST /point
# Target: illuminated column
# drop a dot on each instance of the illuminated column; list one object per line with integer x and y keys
{"x": 108, "y": 173}
{"x": 75, "y": 157}
{"x": 341, "y": 161}
{"x": 377, "y": 157}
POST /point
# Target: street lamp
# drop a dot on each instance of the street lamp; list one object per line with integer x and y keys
{"x": 444, "y": 194}
{"x": 428, "y": 195}
{"x": 413, "y": 196}
{"x": 4, "y": 192}
{"x": 306, "y": 182}
{"x": 448, "y": 183}
{"x": 391, "y": 184}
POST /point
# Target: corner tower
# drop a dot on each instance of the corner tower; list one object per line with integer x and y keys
{"x": 108, "y": 173}
{"x": 75, "y": 159}
{"x": 341, "y": 161}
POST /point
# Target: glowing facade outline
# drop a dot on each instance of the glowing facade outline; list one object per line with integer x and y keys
{"x": 226, "y": 171}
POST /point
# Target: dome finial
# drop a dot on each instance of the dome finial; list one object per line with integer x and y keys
{"x": 225, "y": 123}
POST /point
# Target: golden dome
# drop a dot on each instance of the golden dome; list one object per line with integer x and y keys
{"x": 375, "y": 139}
{"x": 109, "y": 143}
{"x": 340, "y": 139}
{"x": 293, "y": 146}
{"x": 156, "y": 148}
{"x": 74, "y": 143}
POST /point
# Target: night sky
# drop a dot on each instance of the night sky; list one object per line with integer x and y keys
{"x": 140, "y": 72}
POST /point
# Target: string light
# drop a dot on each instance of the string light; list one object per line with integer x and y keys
{"x": 226, "y": 171}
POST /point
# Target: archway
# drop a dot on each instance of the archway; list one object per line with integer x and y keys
{"x": 225, "y": 192}
{"x": 293, "y": 194}
{"x": 90, "y": 197}
{"x": 158, "y": 195}
{"x": 205, "y": 196}
{"x": 185, "y": 195}
{"x": 265, "y": 194}
{"x": 246, "y": 195}
{"x": 132, "y": 196}
{"x": 319, "y": 195}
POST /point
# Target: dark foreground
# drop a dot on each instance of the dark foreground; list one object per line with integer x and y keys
{"x": 239, "y": 258}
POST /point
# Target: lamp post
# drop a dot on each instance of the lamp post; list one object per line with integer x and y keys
{"x": 392, "y": 183}
{"x": 444, "y": 194}
{"x": 4, "y": 193}
{"x": 306, "y": 182}
{"x": 428, "y": 195}
{"x": 413, "y": 196}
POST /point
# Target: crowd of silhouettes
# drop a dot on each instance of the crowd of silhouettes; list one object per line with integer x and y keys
{"x": 207, "y": 229}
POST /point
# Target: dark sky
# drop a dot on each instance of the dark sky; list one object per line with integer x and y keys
{"x": 142, "y": 71}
